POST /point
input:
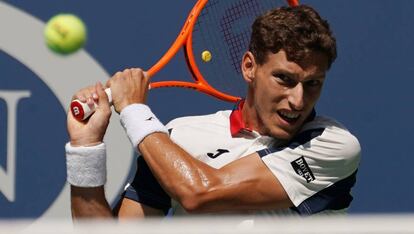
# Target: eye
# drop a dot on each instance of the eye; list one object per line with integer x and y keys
{"x": 284, "y": 79}
{"x": 314, "y": 83}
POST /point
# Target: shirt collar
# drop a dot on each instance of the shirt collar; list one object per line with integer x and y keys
{"x": 237, "y": 126}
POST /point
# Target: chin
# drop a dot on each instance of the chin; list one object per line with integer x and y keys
{"x": 281, "y": 134}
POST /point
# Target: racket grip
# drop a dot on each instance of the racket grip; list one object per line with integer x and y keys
{"x": 82, "y": 111}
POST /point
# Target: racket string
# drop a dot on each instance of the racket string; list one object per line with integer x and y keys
{"x": 223, "y": 29}
{"x": 237, "y": 42}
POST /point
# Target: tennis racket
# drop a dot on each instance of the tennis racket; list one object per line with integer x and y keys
{"x": 214, "y": 38}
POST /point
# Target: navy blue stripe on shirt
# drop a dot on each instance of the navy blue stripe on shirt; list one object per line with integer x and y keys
{"x": 335, "y": 197}
{"x": 300, "y": 139}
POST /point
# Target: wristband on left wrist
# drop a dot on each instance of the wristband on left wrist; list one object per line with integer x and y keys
{"x": 139, "y": 122}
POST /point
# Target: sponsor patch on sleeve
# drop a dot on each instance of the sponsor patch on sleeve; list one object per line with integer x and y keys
{"x": 301, "y": 168}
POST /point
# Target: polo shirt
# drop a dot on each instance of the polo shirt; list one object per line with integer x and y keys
{"x": 317, "y": 168}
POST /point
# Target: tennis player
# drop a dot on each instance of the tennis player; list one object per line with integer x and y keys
{"x": 271, "y": 154}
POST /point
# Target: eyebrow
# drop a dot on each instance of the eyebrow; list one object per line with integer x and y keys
{"x": 320, "y": 76}
{"x": 284, "y": 72}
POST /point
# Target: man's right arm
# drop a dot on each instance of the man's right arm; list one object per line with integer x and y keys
{"x": 86, "y": 147}
{"x": 90, "y": 201}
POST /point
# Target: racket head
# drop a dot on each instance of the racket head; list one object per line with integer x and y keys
{"x": 223, "y": 28}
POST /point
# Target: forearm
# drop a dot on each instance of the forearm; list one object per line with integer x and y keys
{"x": 182, "y": 176}
{"x": 243, "y": 185}
{"x": 89, "y": 203}
{"x": 86, "y": 173}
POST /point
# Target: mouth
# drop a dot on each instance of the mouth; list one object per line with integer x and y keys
{"x": 289, "y": 117}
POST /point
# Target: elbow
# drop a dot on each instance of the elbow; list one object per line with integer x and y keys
{"x": 191, "y": 205}
{"x": 194, "y": 201}
{"x": 200, "y": 195}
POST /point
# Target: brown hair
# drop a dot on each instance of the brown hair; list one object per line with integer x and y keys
{"x": 297, "y": 30}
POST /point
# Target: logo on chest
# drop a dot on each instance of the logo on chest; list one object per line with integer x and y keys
{"x": 217, "y": 153}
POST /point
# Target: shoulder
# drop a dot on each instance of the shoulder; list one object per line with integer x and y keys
{"x": 195, "y": 133}
{"x": 219, "y": 118}
{"x": 333, "y": 132}
{"x": 318, "y": 167}
{"x": 324, "y": 143}
{"x": 329, "y": 137}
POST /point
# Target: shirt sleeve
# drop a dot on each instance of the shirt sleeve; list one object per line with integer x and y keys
{"x": 317, "y": 168}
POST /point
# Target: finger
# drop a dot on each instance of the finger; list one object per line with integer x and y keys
{"x": 90, "y": 102}
{"x": 95, "y": 97}
{"x": 103, "y": 101}
{"x": 83, "y": 94}
{"x": 146, "y": 74}
{"x": 88, "y": 93}
{"x": 108, "y": 83}
{"x": 111, "y": 80}
{"x": 136, "y": 74}
{"x": 127, "y": 73}
{"x": 146, "y": 79}
{"x": 142, "y": 77}
{"x": 143, "y": 82}
{"x": 79, "y": 96}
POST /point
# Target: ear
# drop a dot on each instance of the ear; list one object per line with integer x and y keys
{"x": 248, "y": 67}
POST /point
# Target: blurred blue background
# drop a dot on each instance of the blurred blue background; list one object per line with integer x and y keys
{"x": 369, "y": 88}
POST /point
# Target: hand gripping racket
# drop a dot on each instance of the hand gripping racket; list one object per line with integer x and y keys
{"x": 214, "y": 37}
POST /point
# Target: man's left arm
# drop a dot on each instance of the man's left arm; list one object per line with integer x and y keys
{"x": 249, "y": 183}
{"x": 246, "y": 184}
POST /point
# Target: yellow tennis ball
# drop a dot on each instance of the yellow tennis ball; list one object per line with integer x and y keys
{"x": 65, "y": 33}
{"x": 206, "y": 56}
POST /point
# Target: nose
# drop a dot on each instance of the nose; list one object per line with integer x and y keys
{"x": 296, "y": 97}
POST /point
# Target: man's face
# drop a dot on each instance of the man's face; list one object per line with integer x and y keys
{"x": 283, "y": 93}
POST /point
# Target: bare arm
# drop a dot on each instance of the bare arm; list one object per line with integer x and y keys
{"x": 245, "y": 184}
{"x": 90, "y": 202}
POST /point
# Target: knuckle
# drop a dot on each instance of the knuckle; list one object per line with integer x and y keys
{"x": 127, "y": 71}
{"x": 138, "y": 70}
{"x": 75, "y": 96}
{"x": 91, "y": 89}
{"x": 108, "y": 83}
{"x": 135, "y": 71}
{"x": 118, "y": 74}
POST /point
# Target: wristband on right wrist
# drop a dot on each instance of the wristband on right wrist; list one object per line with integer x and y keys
{"x": 86, "y": 165}
{"x": 139, "y": 122}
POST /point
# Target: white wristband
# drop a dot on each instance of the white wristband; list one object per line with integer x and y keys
{"x": 86, "y": 166}
{"x": 139, "y": 122}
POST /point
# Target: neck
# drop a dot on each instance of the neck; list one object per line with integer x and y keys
{"x": 250, "y": 118}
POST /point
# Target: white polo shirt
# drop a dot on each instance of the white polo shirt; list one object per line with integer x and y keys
{"x": 317, "y": 168}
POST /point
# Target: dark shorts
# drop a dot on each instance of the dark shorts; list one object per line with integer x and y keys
{"x": 146, "y": 190}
